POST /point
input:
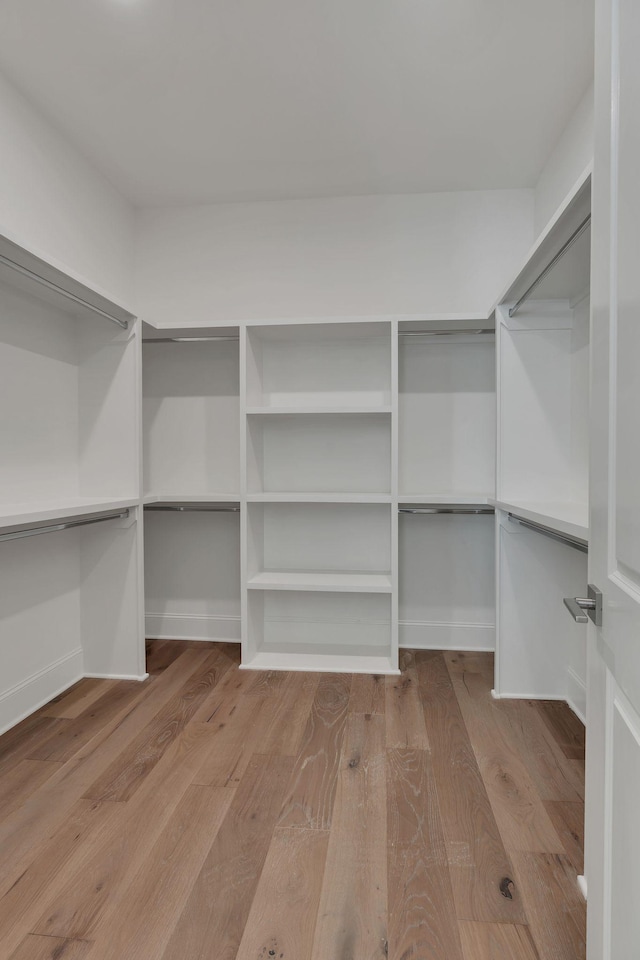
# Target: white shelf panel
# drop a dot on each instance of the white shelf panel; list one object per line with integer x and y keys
{"x": 571, "y": 519}
{"x": 303, "y": 410}
{"x": 319, "y": 497}
{"x": 17, "y": 514}
{"x": 191, "y": 498}
{"x": 452, "y": 498}
{"x": 333, "y": 661}
{"x": 312, "y": 580}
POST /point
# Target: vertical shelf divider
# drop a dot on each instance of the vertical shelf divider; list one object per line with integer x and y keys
{"x": 395, "y": 492}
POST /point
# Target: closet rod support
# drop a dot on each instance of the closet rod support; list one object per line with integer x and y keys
{"x": 565, "y": 538}
{"x": 559, "y": 255}
{"x": 55, "y": 526}
{"x": 50, "y": 285}
{"x": 475, "y": 511}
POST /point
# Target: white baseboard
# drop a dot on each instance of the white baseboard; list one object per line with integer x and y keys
{"x": 117, "y": 676}
{"x": 577, "y": 695}
{"x": 173, "y": 626}
{"x": 425, "y": 635}
{"x": 33, "y": 692}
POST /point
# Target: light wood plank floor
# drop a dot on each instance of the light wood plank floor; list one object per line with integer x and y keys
{"x": 217, "y": 813}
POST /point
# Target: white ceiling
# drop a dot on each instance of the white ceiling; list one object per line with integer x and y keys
{"x": 208, "y": 100}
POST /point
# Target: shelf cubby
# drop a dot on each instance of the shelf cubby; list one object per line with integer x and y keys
{"x": 319, "y": 631}
{"x": 192, "y": 574}
{"x": 191, "y": 418}
{"x": 350, "y": 453}
{"x": 319, "y": 366}
{"x": 319, "y": 546}
{"x": 447, "y": 581}
{"x": 446, "y": 414}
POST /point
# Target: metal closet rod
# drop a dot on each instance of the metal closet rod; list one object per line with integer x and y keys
{"x": 402, "y": 333}
{"x": 50, "y": 285}
{"x": 476, "y": 511}
{"x": 559, "y": 255}
{"x": 190, "y": 339}
{"x": 565, "y": 538}
{"x": 446, "y": 333}
{"x": 193, "y": 508}
{"x": 55, "y": 526}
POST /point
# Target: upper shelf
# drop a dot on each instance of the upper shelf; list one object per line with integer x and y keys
{"x": 19, "y": 514}
{"x": 22, "y": 268}
{"x": 568, "y": 518}
{"x": 570, "y": 277}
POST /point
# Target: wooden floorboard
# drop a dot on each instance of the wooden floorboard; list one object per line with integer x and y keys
{"x": 288, "y": 816}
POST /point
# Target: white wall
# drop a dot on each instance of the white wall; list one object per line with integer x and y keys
{"x": 56, "y": 204}
{"x": 348, "y": 256}
{"x": 571, "y": 156}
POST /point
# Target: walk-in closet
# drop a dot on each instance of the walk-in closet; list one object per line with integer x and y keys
{"x": 319, "y": 527}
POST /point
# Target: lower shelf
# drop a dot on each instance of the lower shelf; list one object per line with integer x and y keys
{"x": 333, "y": 660}
{"x": 325, "y": 630}
{"x": 321, "y": 581}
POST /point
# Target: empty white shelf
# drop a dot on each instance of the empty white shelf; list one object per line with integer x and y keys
{"x": 319, "y": 497}
{"x": 150, "y": 498}
{"x": 334, "y": 660}
{"x": 568, "y": 518}
{"x": 312, "y": 580}
{"x": 307, "y": 409}
{"x": 452, "y": 499}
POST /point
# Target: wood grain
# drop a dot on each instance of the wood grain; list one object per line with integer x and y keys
{"x": 403, "y": 709}
{"x": 352, "y": 917}
{"x": 128, "y": 771}
{"x": 215, "y": 915}
{"x": 565, "y": 726}
{"x": 51, "y": 948}
{"x": 78, "y": 698}
{"x": 522, "y": 819}
{"x": 497, "y": 941}
{"x": 555, "y": 906}
{"x": 310, "y": 796}
{"x": 479, "y": 865}
{"x": 283, "y": 914}
{"x": 283, "y": 725}
{"x": 367, "y": 693}
{"x": 147, "y": 912}
{"x": 260, "y": 814}
{"x": 568, "y": 819}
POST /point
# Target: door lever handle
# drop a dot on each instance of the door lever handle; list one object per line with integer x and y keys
{"x": 583, "y": 609}
{"x": 577, "y": 606}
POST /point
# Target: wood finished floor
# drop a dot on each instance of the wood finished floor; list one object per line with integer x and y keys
{"x": 217, "y": 813}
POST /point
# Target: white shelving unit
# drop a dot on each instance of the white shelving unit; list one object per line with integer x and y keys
{"x": 543, "y": 410}
{"x": 320, "y": 561}
{"x": 70, "y": 544}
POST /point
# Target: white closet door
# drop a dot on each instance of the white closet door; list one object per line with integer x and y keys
{"x": 613, "y": 761}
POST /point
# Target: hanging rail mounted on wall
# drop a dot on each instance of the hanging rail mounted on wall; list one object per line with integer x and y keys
{"x": 35, "y": 529}
{"x": 56, "y": 288}
{"x": 447, "y": 333}
{"x": 565, "y": 538}
{"x": 577, "y": 233}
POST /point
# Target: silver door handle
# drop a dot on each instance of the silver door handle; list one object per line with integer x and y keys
{"x": 583, "y": 609}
